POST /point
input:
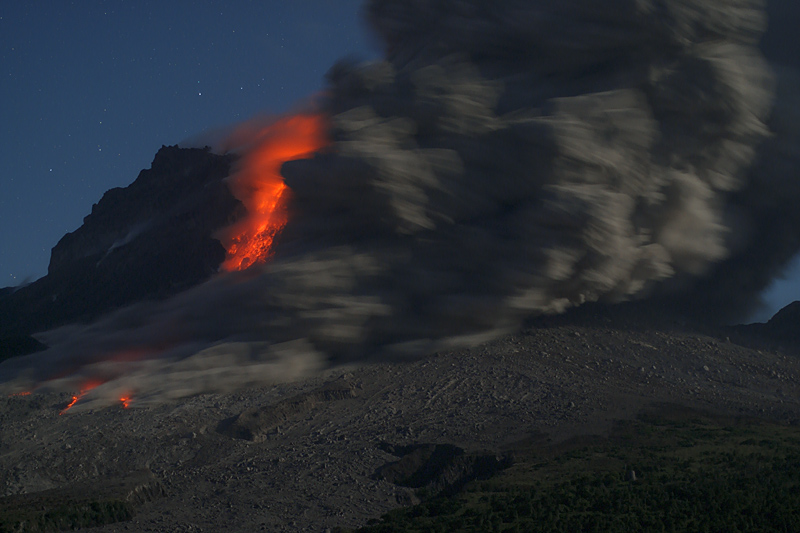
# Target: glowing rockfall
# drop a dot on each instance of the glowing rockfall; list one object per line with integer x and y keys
{"x": 258, "y": 184}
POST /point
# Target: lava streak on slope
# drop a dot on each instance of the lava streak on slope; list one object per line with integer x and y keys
{"x": 258, "y": 184}
{"x": 88, "y": 386}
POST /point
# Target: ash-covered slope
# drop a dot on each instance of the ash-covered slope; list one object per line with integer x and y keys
{"x": 149, "y": 240}
{"x": 304, "y": 456}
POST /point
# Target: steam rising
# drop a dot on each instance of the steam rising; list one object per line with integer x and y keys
{"x": 505, "y": 159}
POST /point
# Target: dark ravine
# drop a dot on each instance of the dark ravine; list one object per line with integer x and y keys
{"x": 438, "y": 469}
{"x": 79, "y": 506}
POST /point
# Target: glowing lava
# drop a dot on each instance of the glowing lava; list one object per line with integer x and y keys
{"x": 88, "y": 386}
{"x": 126, "y": 401}
{"x": 258, "y": 184}
{"x": 73, "y": 402}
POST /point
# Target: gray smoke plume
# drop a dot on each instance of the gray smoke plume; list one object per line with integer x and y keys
{"x": 505, "y": 159}
{"x": 762, "y": 215}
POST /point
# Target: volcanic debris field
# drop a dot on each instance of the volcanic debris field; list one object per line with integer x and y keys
{"x": 541, "y": 421}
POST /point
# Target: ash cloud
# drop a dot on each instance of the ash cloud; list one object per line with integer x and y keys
{"x": 762, "y": 214}
{"x": 505, "y": 159}
{"x": 527, "y": 157}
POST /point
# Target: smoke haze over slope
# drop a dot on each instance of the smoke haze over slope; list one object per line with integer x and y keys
{"x": 505, "y": 159}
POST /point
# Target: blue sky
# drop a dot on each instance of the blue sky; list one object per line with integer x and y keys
{"x": 92, "y": 89}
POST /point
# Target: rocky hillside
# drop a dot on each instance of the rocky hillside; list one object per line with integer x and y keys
{"x": 149, "y": 240}
{"x": 331, "y": 451}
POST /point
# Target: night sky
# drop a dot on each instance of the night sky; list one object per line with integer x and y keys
{"x": 92, "y": 89}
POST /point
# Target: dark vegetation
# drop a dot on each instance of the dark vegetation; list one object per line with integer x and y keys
{"x": 675, "y": 473}
{"x": 85, "y": 505}
{"x": 64, "y": 516}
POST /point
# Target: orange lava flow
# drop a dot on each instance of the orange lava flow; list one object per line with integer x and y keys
{"x": 126, "y": 402}
{"x": 85, "y": 389}
{"x": 23, "y": 393}
{"x": 69, "y": 406}
{"x": 258, "y": 184}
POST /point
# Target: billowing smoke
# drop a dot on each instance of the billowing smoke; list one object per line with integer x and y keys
{"x": 505, "y": 159}
{"x": 763, "y": 214}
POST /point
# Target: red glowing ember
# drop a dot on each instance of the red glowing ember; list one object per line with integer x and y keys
{"x": 73, "y": 402}
{"x": 88, "y": 386}
{"x": 23, "y": 393}
{"x": 126, "y": 402}
{"x": 259, "y": 186}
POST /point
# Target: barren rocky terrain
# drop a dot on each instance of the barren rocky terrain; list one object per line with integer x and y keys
{"x": 303, "y": 456}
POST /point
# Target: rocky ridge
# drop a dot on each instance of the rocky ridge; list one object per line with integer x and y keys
{"x": 149, "y": 240}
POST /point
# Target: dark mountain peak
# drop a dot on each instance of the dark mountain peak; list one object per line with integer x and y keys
{"x": 786, "y": 322}
{"x": 783, "y": 329}
{"x": 148, "y": 240}
{"x": 178, "y": 181}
